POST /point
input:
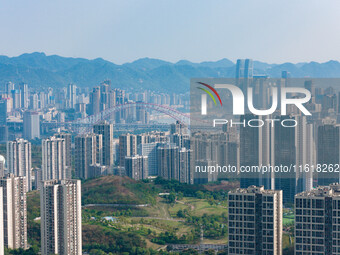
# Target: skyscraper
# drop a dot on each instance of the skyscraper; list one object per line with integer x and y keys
{"x": 136, "y": 167}
{"x": 31, "y": 125}
{"x": 127, "y": 147}
{"x": 328, "y": 152}
{"x": 255, "y": 150}
{"x": 19, "y": 159}
{"x": 255, "y": 221}
{"x": 285, "y": 155}
{"x": 60, "y": 210}
{"x": 95, "y": 101}
{"x": 15, "y": 211}
{"x": 68, "y": 151}
{"x": 317, "y": 221}
{"x": 24, "y": 95}
{"x": 71, "y": 95}
{"x": 244, "y": 68}
{"x": 88, "y": 151}
{"x": 149, "y": 150}
{"x": 53, "y": 159}
{"x": 106, "y": 130}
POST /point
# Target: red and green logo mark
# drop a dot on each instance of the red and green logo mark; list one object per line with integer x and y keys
{"x": 209, "y": 93}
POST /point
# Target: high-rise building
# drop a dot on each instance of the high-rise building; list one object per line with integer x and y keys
{"x": 95, "y": 101}
{"x": 68, "y": 147}
{"x": 2, "y": 166}
{"x": 19, "y": 159}
{"x": 106, "y": 130}
{"x": 60, "y": 210}
{"x": 24, "y": 95}
{"x": 53, "y": 159}
{"x": 3, "y": 112}
{"x": 71, "y": 95}
{"x": 149, "y": 150}
{"x": 328, "y": 152}
{"x": 285, "y": 155}
{"x": 136, "y": 167}
{"x": 186, "y": 166}
{"x": 255, "y": 150}
{"x": 127, "y": 147}
{"x": 15, "y": 211}
{"x": 31, "y": 125}
{"x": 255, "y": 221}
{"x": 244, "y": 68}
{"x": 317, "y": 221}
{"x": 168, "y": 161}
{"x": 2, "y": 243}
{"x": 88, "y": 151}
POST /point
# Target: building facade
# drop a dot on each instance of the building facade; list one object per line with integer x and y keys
{"x": 60, "y": 208}
{"x": 255, "y": 221}
{"x": 14, "y": 211}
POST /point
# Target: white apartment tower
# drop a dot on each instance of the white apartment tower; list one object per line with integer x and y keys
{"x": 60, "y": 208}
{"x": 255, "y": 221}
{"x": 53, "y": 159}
{"x": 14, "y": 211}
{"x": 19, "y": 159}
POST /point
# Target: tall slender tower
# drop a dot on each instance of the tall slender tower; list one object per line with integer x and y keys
{"x": 19, "y": 159}
{"x": 106, "y": 130}
{"x": 53, "y": 159}
{"x": 68, "y": 151}
{"x": 14, "y": 211}
{"x": 60, "y": 210}
{"x": 88, "y": 151}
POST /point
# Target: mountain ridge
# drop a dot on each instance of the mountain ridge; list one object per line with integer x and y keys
{"x": 41, "y": 70}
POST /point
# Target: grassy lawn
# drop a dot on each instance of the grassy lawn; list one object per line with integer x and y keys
{"x": 288, "y": 219}
{"x": 197, "y": 207}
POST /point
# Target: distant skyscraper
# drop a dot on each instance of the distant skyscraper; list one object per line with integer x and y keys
{"x": 149, "y": 150}
{"x": 317, "y": 221}
{"x": 106, "y": 130}
{"x": 168, "y": 162}
{"x": 95, "y": 101}
{"x": 255, "y": 221}
{"x": 244, "y": 68}
{"x": 285, "y": 155}
{"x": 3, "y": 112}
{"x": 24, "y": 95}
{"x": 31, "y": 125}
{"x": 19, "y": 159}
{"x": 71, "y": 95}
{"x": 60, "y": 210}
{"x": 186, "y": 166}
{"x": 255, "y": 150}
{"x": 15, "y": 211}
{"x": 136, "y": 167}
{"x": 88, "y": 151}
{"x": 328, "y": 152}
{"x": 68, "y": 147}
{"x": 53, "y": 159}
{"x": 127, "y": 147}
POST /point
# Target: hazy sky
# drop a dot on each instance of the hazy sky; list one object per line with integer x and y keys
{"x": 121, "y": 31}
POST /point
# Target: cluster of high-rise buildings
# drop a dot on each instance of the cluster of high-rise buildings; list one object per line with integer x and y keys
{"x": 33, "y": 113}
{"x": 255, "y": 221}
{"x": 255, "y": 210}
{"x": 60, "y": 197}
